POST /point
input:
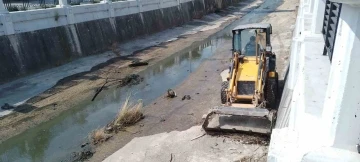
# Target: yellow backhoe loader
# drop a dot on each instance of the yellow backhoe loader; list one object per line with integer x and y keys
{"x": 249, "y": 96}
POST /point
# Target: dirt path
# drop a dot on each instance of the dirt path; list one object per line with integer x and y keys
{"x": 165, "y": 115}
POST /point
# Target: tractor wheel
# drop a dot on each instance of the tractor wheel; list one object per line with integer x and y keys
{"x": 271, "y": 92}
{"x": 224, "y": 86}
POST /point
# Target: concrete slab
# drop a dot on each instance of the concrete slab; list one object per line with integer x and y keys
{"x": 191, "y": 145}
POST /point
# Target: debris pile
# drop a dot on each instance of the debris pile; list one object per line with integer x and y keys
{"x": 132, "y": 79}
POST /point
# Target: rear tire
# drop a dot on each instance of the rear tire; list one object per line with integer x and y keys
{"x": 271, "y": 92}
{"x": 223, "y": 95}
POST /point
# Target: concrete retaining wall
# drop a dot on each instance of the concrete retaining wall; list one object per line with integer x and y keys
{"x": 31, "y": 41}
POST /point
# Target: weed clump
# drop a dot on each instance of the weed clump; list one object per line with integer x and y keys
{"x": 99, "y": 136}
{"x": 128, "y": 115}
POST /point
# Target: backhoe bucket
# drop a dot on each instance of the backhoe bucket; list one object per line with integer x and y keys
{"x": 234, "y": 119}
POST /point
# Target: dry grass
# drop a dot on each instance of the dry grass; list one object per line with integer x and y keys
{"x": 129, "y": 114}
{"x": 99, "y": 136}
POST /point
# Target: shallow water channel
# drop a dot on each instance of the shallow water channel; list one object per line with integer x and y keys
{"x": 58, "y": 138}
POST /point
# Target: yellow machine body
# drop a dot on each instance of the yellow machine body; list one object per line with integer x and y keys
{"x": 250, "y": 91}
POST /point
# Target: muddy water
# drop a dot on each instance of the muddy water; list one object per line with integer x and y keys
{"x": 57, "y": 139}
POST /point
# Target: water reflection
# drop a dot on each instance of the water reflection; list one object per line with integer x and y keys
{"x": 56, "y": 139}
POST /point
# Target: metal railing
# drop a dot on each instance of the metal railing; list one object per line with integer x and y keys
{"x": 330, "y": 24}
{"x": 23, "y": 5}
{"x": 79, "y": 2}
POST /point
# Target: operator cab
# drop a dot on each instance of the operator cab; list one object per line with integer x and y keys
{"x": 252, "y": 39}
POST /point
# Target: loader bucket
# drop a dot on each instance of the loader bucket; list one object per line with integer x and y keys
{"x": 234, "y": 119}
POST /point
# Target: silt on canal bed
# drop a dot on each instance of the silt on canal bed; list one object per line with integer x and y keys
{"x": 58, "y": 138}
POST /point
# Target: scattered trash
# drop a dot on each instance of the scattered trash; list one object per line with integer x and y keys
{"x": 138, "y": 63}
{"x": 162, "y": 120}
{"x": 171, "y": 93}
{"x": 6, "y": 106}
{"x": 187, "y": 97}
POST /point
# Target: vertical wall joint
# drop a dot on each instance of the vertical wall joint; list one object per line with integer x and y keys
{"x": 161, "y": 4}
{"x": 139, "y": 5}
{"x": 5, "y": 20}
{"x": 69, "y": 15}
{"x": 110, "y": 7}
{"x": 63, "y": 4}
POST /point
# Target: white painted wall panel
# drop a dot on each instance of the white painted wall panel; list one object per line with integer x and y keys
{"x": 171, "y": 3}
{"x": 85, "y": 13}
{"x": 25, "y": 21}
{"x": 38, "y": 19}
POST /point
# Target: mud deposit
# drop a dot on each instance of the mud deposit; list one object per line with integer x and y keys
{"x": 57, "y": 139}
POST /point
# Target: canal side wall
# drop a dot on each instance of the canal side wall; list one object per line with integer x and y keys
{"x": 31, "y": 41}
{"x": 317, "y": 119}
